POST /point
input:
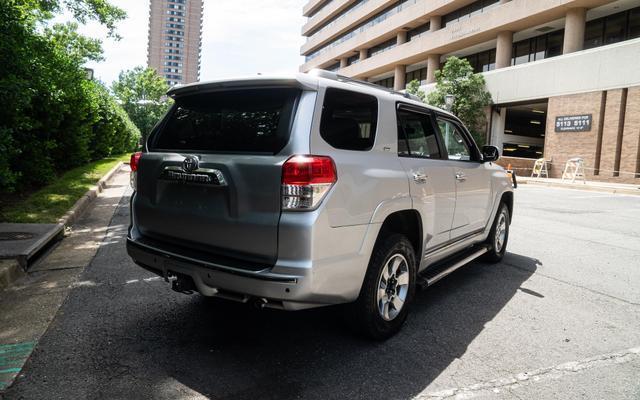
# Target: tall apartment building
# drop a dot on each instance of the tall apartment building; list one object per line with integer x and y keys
{"x": 175, "y": 39}
{"x": 564, "y": 74}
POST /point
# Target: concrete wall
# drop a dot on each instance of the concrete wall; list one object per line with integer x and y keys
{"x": 603, "y": 68}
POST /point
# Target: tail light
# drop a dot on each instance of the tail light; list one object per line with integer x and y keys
{"x": 306, "y": 180}
{"x": 135, "y": 160}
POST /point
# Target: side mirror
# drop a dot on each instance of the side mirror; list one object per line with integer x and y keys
{"x": 490, "y": 153}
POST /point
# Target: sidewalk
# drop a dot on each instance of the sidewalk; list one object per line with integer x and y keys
{"x": 607, "y": 187}
{"x": 29, "y": 305}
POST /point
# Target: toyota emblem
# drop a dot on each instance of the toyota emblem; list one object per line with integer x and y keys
{"x": 190, "y": 164}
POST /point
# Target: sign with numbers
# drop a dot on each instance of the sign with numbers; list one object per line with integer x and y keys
{"x": 573, "y": 123}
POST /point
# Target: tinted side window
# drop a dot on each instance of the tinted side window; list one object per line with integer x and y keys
{"x": 457, "y": 147}
{"x": 416, "y": 136}
{"x": 349, "y": 120}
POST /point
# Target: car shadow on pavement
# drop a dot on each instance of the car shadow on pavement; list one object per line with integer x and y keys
{"x": 227, "y": 350}
{"x": 124, "y": 334}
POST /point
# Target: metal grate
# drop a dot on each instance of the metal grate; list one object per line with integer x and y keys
{"x": 16, "y": 236}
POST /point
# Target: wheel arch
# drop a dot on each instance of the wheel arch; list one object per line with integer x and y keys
{"x": 405, "y": 222}
{"x": 507, "y": 199}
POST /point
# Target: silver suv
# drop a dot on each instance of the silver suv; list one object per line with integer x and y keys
{"x": 314, "y": 190}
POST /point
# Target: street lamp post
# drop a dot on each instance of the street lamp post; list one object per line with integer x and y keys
{"x": 449, "y": 99}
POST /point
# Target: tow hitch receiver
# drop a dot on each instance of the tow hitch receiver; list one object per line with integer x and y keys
{"x": 180, "y": 283}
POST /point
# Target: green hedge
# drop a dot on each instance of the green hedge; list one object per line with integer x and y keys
{"x": 52, "y": 117}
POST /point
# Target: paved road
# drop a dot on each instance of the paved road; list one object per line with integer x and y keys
{"x": 559, "y": 318}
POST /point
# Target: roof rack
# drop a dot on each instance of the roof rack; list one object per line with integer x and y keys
{"x": 341, "y": 78}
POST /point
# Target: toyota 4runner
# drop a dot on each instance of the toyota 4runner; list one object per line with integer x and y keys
{"x": 314, "y": 190}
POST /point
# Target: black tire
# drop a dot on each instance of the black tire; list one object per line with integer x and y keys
{"x": 364, "y": 314}
{"x": 496, "y": 251}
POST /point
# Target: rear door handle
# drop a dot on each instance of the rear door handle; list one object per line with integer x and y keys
{"x": 419, "y": 178}
{"x": 461, "y": 177}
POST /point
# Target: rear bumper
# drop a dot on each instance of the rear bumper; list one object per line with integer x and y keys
{"x": 276, "y": 290}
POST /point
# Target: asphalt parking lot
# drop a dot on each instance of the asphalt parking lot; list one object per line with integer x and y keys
{"x": 559, "y": 318}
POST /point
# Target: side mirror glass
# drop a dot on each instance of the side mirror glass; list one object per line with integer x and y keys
{"x": 490, "y": 153}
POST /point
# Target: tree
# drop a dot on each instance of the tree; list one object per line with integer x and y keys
{"x": 471, "y": 97}
{"x": 414, "y": 88}
{"x": 142, "y": 93}
{"x": 53, "y": 114}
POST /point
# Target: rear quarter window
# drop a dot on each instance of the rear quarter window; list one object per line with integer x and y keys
{"x": 349, "y": 119}
{"x": 241, "y": 121}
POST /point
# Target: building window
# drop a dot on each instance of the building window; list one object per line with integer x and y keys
{"x": 634, "y": 23}
{"x": 333, "y": 67}
{"x": 419, "y": 75}
{"x": 382, "y": 47}
{"x": 387, "y": 82}
{"x": 393, "y": 9}
{"x": 353, "y": 59}
{"x": 612, "y": 29}
{"x": 418, "y": 31}
{"x": 333, "y": 20}
{"x": 538, "y": 48}
{"x": 483, "y": 61}
{"x": 521, "y": 52}
{"x": 593, "y": 34}
{"x": 317, "y": 10}
{"x": 555, "y": 43}
{"x": 475, "y": 8}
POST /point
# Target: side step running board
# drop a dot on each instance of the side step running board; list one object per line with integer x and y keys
{"x": 433, "y": 275}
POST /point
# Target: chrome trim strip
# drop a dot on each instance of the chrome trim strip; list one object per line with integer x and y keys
{"x": 453, "y": 242}
{"x": 453, "y": 267}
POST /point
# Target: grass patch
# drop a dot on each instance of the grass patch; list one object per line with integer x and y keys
{"x": 48, "y": 204}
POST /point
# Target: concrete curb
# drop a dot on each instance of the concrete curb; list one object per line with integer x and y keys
{"x": 579, "y": 186}
{"x": 10, "y": 271}
{"x": 71, "y": 216}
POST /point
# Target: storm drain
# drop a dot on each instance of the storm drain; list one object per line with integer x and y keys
{"x": 16, "y": 236}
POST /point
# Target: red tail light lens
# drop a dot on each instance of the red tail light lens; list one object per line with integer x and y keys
{"x": 135, "y": 157}
{"x": 133, "y": 178}
{"x": 306, "y": 180}
{"x": 309, "y": 170}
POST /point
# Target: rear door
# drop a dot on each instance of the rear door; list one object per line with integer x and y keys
{"x": 211, "y": 178}
{"x": 430, "y": 177}
{"x": 472, "y": 180}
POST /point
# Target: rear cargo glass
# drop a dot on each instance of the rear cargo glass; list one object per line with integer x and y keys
{"x": 241, "y": 121}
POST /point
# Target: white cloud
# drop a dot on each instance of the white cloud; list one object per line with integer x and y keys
{"x": 240, "y": 37}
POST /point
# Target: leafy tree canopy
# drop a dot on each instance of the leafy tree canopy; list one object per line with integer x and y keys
{"x": 82, "y": 10}
{"x": 55, "y": 119}
{"x": 413, "y": 87}
{"x": 142, "y": 93}
{"x": 471, "y": 97}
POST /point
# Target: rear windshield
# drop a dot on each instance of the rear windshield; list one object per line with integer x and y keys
{"x": 242, "y": 121}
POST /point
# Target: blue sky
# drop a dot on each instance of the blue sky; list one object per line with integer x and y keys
{"x": 240, "y": 37}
